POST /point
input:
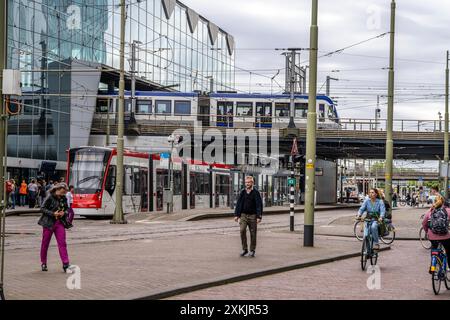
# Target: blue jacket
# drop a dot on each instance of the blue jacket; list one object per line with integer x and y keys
{"x": 240, "y": 204}
{"x": 378, "y": 208}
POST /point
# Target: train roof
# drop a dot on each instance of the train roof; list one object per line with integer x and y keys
{"x": 266, "y": 96}
{"x": 219, "y": 95}
{"x": 155, "y": 94}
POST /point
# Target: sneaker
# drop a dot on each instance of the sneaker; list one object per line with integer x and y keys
{"x": 44, "y": 267}
{"x": 244, "y": 253}
{"x": 66, "y": 267}
{"x": 252, "y": 254}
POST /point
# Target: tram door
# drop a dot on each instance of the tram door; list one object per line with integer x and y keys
{"x": 264, "y": 115}
{"x": 161, "y": 182}
{"x": 222, "y": 198}
{"x": 192, "y": 191}
{"x": 143, "y": 179}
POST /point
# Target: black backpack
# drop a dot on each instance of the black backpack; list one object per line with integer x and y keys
{"x": 439, "y": 221}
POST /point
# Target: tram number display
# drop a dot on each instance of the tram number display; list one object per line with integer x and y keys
{"x": 89, "y": 157}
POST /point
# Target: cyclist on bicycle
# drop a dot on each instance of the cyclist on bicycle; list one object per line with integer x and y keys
{"x": 376, "y": 211}
{"x": 439, "y": 232}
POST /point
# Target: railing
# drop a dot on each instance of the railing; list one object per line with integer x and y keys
{"x": 402, "y": 172}
{"x": 398, "y": 125}
{"x": 342, "y": 124}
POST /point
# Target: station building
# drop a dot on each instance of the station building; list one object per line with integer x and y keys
{"x": 69, "y": 50}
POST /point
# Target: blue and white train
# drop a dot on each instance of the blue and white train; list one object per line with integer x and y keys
{"x": 231, "y": 110}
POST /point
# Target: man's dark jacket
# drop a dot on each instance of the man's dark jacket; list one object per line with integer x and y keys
{"x": 240, "y": 204}
{"x": 49, "y": 207}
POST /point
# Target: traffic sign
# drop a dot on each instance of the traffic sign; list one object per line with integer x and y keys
{"x": 164, "y": 159}
{"x": 292, "y": 181}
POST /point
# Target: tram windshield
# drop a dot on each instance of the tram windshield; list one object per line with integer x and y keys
{"x": 87, "y": 170}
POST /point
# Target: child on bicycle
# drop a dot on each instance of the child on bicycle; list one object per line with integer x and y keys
{"x": 435, "y": 224}
{"x": 376, "y": 211}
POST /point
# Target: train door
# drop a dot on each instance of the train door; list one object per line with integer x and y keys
{"x": 225, "y": 114}
{"x": 222, "y": 198}
{"x": 143, "y": 181}
{"x": 184, "y": 184}
{"x": 161, "y": 183}
{"x": 192, "y": 191}
{"x": 264, "y": 115}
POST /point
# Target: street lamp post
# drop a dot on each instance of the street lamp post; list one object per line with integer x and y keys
{"x": 171, "y": 140}
{"x": 118, "y": 214}
{"x": 308, "y": 239}
{"x": 390, "y": 118}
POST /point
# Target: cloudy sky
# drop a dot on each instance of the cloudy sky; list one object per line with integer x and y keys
{"x": 422, "y": 38}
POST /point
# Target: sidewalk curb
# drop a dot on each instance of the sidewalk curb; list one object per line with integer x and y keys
{"x": 231, "y": 214}
{"x": 20, "y": 212}
{"x": 239, "y": 278}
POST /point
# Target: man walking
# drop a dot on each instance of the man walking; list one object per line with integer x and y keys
{"x": 248, "y": 212}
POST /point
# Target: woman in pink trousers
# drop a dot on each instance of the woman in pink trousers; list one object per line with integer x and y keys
{"x": 54, "y": 220}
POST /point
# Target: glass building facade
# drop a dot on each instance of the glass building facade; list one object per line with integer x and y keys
{"x": 176, "y": 47}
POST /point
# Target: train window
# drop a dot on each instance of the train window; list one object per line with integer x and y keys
{"x": 127, "y": 105}
{"x": 301, "y": 110}
{"x": 264, "y": 112}
{"x": 163, "y": 107}
{"x": 244, "y": 109}
{"x": 177, "y": 183}
{"x": 322, "y": 112}
{"x": 128, "y": 181}
{"x": 224, "y": 111}
{"x": 136, "y": 181}
{"x": 110, "y": 185}
{"x": 282, "y": 110}
{"x": 162, "y": 179}
{"x": 222, "y": 184}
{"x": 202, "y": 183}
{"x": 331, "y": 112}
{"x": 102, "y": 106}
{"x": 144, "y": 107}
{"x": 182, "y": 107}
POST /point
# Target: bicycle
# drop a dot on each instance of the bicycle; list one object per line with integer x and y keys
{"x": 423, "y": 236}
{"x": 358, "y": 231}
{"x": 438, "y": 269}
{"x": 367, "y": 251}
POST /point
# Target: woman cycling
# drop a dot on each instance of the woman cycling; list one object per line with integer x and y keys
{"x": 435, "y": 237}
{"x": 376, "y": 211}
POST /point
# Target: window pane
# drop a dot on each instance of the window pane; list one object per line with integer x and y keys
{"x": 182, "y": 107}
{"x": 244, "y": 109}
{"x": 163, "y": 107}
{"x": 282, "y": 110}
{"x": 144, "y": 106}
{"x": 301, "y": 110}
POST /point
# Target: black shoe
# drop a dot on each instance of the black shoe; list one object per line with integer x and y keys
{"x": 65, "y": 267}
{"x": 44, "y": 267}
{"x": 252, "y": 254}
{"x": 244, "y": 253}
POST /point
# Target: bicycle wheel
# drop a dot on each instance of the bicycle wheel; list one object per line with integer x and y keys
{"x": 402, "y": 203}
{"x": 447, "y": 279}
{"x": 436, "y": 278}
{"x": 373, "y": 255}
{"x": 426, "y": 244}
{"x": 358, "y": 230}
{"x": 389, "y": 239}
{"x": 364, "y": 255}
